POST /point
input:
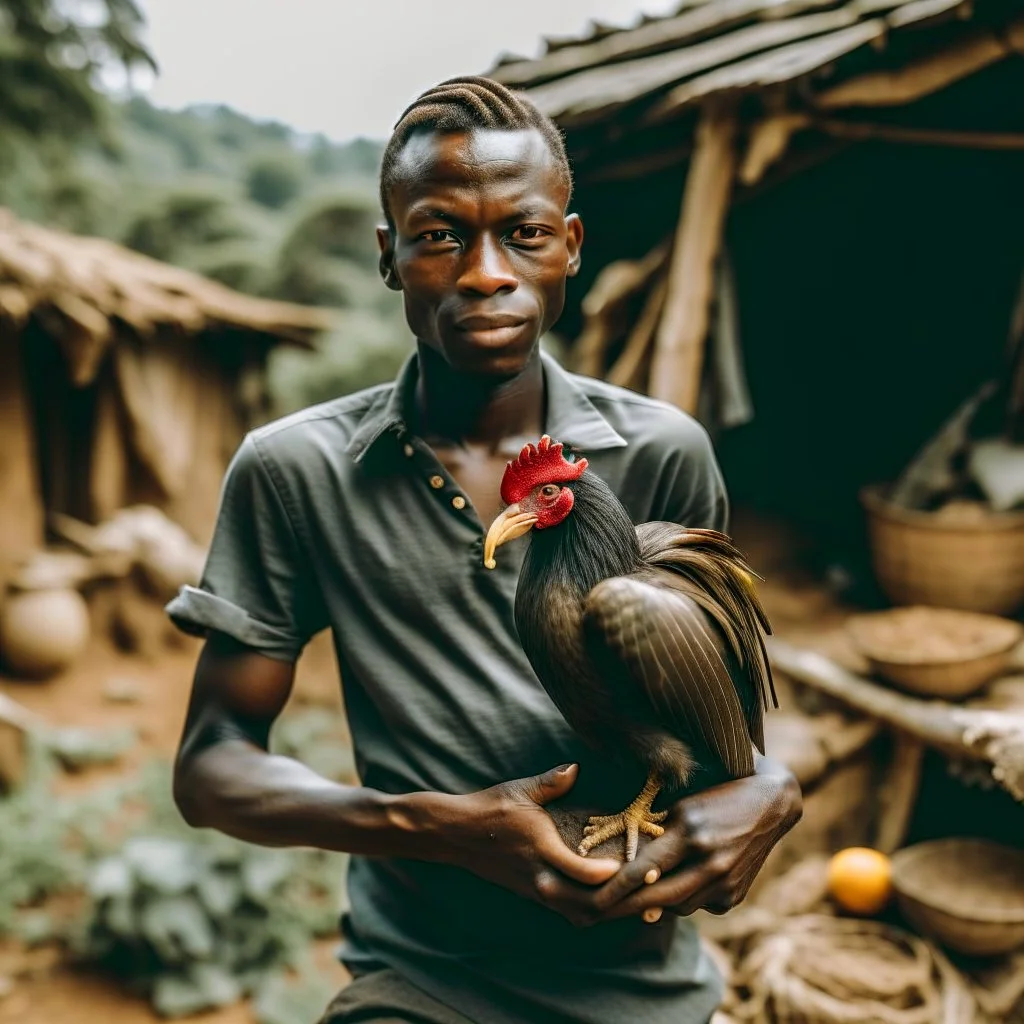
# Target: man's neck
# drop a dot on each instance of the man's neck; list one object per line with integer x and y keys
{"x": 459, "y": 408}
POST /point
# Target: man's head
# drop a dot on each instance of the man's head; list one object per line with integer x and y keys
{"x": 475, "y": 185}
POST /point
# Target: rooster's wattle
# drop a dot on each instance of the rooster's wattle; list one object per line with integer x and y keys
{"x": 649, "y": 638}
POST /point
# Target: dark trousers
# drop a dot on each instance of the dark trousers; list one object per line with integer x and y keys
{"x": 385, "y": 997}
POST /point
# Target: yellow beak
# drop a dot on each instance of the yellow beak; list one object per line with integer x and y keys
{"x": 512, "y": 523}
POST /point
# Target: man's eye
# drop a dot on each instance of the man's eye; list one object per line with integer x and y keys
{"x": 528, "y": 233}
{"x": 441, "y": 235}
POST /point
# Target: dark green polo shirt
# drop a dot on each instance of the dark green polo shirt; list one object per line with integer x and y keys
{"x": 339, "y": 517}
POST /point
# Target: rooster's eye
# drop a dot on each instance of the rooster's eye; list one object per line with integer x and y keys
{"x": 550, "y": 490}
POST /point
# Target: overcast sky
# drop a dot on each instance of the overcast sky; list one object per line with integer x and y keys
{"x": 347, "y": 67}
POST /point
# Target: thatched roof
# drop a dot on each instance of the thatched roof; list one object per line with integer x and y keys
{"x": 661, "y": 67}
{"x": 85, "y": 290}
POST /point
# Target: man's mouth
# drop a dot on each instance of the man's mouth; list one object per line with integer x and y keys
{"x": 491, "y": 322}
{"x": 491, "y": 331}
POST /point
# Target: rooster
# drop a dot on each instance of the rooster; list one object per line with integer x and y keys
{"x": 649, "y": 639}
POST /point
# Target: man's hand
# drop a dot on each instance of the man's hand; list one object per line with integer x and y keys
{"x": 504, "y": 835}
{"x": 713, "y": 847}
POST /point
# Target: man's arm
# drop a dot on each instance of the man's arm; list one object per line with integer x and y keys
{"x": 225, "y": 778}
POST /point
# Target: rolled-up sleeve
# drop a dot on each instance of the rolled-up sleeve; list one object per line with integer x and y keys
{"x": 257, "y": 585}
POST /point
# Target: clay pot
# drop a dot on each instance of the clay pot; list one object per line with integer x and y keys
{"x": 42, "y": 631}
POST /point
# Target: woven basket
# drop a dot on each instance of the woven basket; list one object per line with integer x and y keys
{"x": 927, "y": 558}
{"x": 966, "y": 894}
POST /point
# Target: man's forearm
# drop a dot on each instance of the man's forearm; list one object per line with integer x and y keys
{"x": 239, "y": 789}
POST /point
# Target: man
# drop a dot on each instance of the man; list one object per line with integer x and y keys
{"x": 366, "y": 515}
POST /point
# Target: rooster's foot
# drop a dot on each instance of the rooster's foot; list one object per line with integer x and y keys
{"x": 636, "y": 818}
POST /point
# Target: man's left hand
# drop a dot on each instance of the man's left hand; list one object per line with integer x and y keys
{"x": 714, "y": 845}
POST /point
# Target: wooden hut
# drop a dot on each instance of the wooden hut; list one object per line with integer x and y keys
{"x": 860, "y": 166}
{"x": 122, "y": 381}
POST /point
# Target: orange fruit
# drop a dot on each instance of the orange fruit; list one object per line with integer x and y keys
{"x": 860, "y": 880}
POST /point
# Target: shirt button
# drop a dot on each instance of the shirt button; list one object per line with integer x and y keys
{"x": 437, "y": 482}
{"x": 458, "y": 502}
{"x": 408, "y": 449}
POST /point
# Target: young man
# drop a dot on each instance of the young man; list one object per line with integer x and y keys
{"x": 367, "y": 515}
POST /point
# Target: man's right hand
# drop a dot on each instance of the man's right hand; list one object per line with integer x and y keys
{"x": 504, "y": 835}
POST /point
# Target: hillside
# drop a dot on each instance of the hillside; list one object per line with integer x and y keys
{"x": 253, "y": 204}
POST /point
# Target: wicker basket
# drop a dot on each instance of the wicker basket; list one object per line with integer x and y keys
{"x": 966, "y": 894}
{"x": 974, "y": 564}
{"x": 935, "y": 652}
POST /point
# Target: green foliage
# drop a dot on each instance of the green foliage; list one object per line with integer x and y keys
{"x": 183, "y": 218}
{"x": 51, "y": 53}
{"x": 194, "y": 919}
{"x": 47, "y": 843}
{"x": 191, "y": 919}
{"x": 286, "y": 1001}
{"x": 367, "y": 348}
{"x": 274, "y": 180}
{"x": 252, "y": 204}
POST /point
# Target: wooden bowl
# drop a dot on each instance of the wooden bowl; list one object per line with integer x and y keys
{"x": 966, "y": 894}
{"x": 935, "y": 652}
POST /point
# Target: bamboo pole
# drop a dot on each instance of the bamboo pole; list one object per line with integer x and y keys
{"x": 992, "y": 737}
{"x": 679, "y": 342}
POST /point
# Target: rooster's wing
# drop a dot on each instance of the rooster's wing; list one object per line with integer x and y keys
{"x": 669, "y": 649}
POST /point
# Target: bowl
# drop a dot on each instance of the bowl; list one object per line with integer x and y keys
{"x": 966, "y": 894}
{"x": 961, "y": 556}
{"x": 935, "y": 652}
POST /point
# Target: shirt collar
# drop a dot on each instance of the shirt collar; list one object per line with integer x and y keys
{"x": 572, "y": 417}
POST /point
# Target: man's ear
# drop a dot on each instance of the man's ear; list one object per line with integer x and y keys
{"x": 573, "y": 243}
{"x": 386, "y": 264}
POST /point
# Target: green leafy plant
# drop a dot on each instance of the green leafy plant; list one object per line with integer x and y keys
{"x": 193, "y": 919}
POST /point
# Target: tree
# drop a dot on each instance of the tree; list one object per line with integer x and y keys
{"x": 51, "y": 55}
{"x": 184, "y": 219}
{"x": 274, "y": 180}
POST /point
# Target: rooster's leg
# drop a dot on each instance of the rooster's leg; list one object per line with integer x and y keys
{"x": 636, "y": 818}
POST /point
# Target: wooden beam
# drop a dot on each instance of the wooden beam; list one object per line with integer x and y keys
{"x": 768, "y": 141}
{"x": 927, "y": 75}
{"x": 628, "y": 370}
{"x": 604, "y": 308}
{"x": 995, "y": 738}
{"x": 862, "y": 132}
{"x": 679, "y": 342}
{"x": 21, "y": 500}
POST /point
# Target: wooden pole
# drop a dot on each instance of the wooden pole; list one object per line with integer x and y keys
{"x": 992, "y": 737}
{"x": 21, "y": 500}
{"x": 679, "y": 343}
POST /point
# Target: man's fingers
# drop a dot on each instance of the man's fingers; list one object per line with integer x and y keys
{"x": 588, "y": 870}
{"x": 656, "y": 859}
{"x": 676, "y": 892}
{"x": 551, "y": 785}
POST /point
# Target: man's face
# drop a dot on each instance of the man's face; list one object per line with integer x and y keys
{"x": 481, "y": 245}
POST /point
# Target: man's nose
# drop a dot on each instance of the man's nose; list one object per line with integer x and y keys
{"x": 486, "y": 269}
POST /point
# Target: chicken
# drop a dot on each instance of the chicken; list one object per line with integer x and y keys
{"x": 649, "y": 638}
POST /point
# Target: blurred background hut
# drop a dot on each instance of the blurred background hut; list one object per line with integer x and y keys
{"x": 827, "y": 235}
{"x": 123, "y": 380}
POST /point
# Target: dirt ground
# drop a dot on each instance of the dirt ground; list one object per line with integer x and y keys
{"x": 37, "y": 988}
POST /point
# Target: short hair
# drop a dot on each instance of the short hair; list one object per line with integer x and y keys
{"x": 462, "y": 105}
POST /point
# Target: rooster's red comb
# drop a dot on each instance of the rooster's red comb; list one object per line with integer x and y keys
{"x": 538, "y": 464}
